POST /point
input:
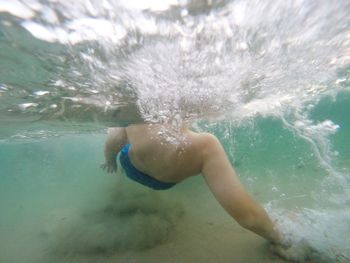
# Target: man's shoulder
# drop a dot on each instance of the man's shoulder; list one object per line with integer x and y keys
{"x": 206, "y": 140}
{"x": 207, "y": 137}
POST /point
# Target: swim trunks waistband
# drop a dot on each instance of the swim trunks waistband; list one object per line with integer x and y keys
{"x": 138, "y": 176}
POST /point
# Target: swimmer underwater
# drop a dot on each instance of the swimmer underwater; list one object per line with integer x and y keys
{"x": 160, "y": 156}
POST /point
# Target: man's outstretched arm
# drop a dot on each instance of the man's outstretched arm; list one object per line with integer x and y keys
{"x": 116, "y": 139}
{"x": 227, "y": 189}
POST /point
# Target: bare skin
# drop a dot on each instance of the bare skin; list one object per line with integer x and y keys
{"x": 172, "y": 155}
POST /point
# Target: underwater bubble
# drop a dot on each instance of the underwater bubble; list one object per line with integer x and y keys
{"x": 25, "y": 106}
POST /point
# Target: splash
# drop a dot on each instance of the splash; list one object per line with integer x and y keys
{"x": 309, "y": 237}
{"x": 231, "y": 59}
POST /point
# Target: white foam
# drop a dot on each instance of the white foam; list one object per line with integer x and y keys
{"x": 316, "y": 235}
{"x": 154, "y": 5}
{"x": 16, "y": 8}
{"x": 40, "y": 31}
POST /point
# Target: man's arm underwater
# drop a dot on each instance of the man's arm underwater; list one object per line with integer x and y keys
{"x": 224, "y": 184}
{"x": 116, "y": 139}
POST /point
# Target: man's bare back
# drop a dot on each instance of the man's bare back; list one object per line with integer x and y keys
{"x": 171, "y": 154}
{"x": 166, "y": 154}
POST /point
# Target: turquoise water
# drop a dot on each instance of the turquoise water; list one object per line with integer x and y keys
{"x": 269, "y": 78}
{"x": 56, "y": 182}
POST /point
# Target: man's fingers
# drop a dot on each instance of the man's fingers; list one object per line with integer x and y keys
{"x": 108, "y": 168}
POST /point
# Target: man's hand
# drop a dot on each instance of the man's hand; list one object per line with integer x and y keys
{"x": 300, "y": 251}
{"x": 109, "y": 167}
{"x": 116, "y": 139}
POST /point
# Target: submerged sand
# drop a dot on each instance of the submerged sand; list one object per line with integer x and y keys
{"x": 184, "y": 224}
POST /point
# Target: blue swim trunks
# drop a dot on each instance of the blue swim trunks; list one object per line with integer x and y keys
{"x": 139, "y": 176}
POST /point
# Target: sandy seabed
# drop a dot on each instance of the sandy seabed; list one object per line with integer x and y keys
{"x": 184, "y": 224}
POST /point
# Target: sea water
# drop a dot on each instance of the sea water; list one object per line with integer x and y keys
{"x": 269, "y": 78}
